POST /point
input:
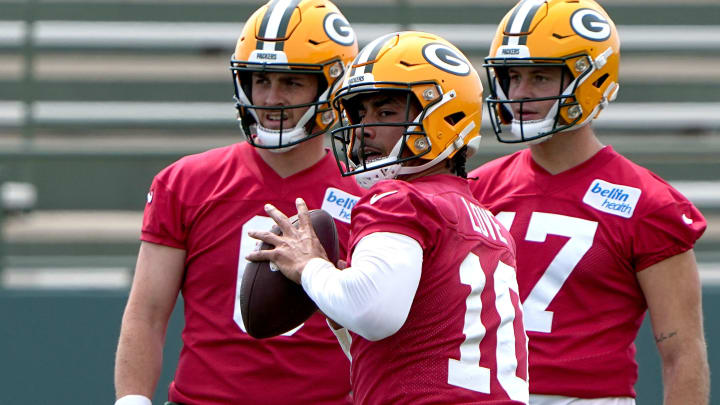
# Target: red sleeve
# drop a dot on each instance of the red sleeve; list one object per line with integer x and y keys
{"x": 399, "y": 211}
{"x": 667, "y": 231}
{"x": 162, "y": 220}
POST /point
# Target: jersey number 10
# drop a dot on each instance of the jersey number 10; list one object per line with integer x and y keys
{"x": 465, "y": 372}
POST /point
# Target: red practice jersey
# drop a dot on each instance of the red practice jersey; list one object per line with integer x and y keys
{"x": 582, "y": 235}
{"x": 206, "y": 204}
{"x": 463, "y": 340}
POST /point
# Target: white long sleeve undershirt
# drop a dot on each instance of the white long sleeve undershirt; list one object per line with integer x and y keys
{"x": 373, "y": 297}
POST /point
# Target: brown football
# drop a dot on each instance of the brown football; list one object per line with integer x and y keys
{"x": 270, "y": 303}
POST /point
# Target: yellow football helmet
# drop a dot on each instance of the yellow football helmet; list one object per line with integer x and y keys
{"x": 577, "y": 36}
{"x": 301, "y": 36}
{"x": 436, "y": 77}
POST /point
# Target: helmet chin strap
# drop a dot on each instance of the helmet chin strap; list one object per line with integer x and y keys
{"x": 524, "y": 130}
{"x": 265, "y": 136}
{"x": 369, "y": 178}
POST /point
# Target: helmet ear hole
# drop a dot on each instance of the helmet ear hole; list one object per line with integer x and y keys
{"x": 453, "y": 119}
{"x": 599, "y": 82}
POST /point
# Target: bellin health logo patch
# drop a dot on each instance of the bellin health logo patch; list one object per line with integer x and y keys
{"x": 339, "y": 203}
{"x": 614, "y": 199}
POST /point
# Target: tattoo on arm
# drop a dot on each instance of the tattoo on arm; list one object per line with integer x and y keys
{"x": 664, "y": 337}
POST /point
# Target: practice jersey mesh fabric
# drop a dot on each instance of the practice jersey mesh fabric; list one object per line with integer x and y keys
{"x": 206, "y": 204}
{"x": 449, "y": 349}
{"x": 581, "y": 237}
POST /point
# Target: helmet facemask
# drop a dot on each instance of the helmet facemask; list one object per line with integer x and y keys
{"x": 312, "y": 123}
{"x": 564, "y": 115}
{"x": 348, "y": 140}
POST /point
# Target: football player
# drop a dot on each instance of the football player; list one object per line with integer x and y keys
{"x": 289, "y": 57}
{"x": 600, "y": 239}
{"x": 430, "y": 297}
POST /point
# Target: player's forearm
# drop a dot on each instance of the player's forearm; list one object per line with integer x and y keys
{"x": 138, "y": 360}
{"x": 686, "y": 377}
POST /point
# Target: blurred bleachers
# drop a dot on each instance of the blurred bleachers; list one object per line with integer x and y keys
{"x": 96, "y": 96}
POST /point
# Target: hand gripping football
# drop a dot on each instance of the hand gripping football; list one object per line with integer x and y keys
{"x": 270, "y": 303}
